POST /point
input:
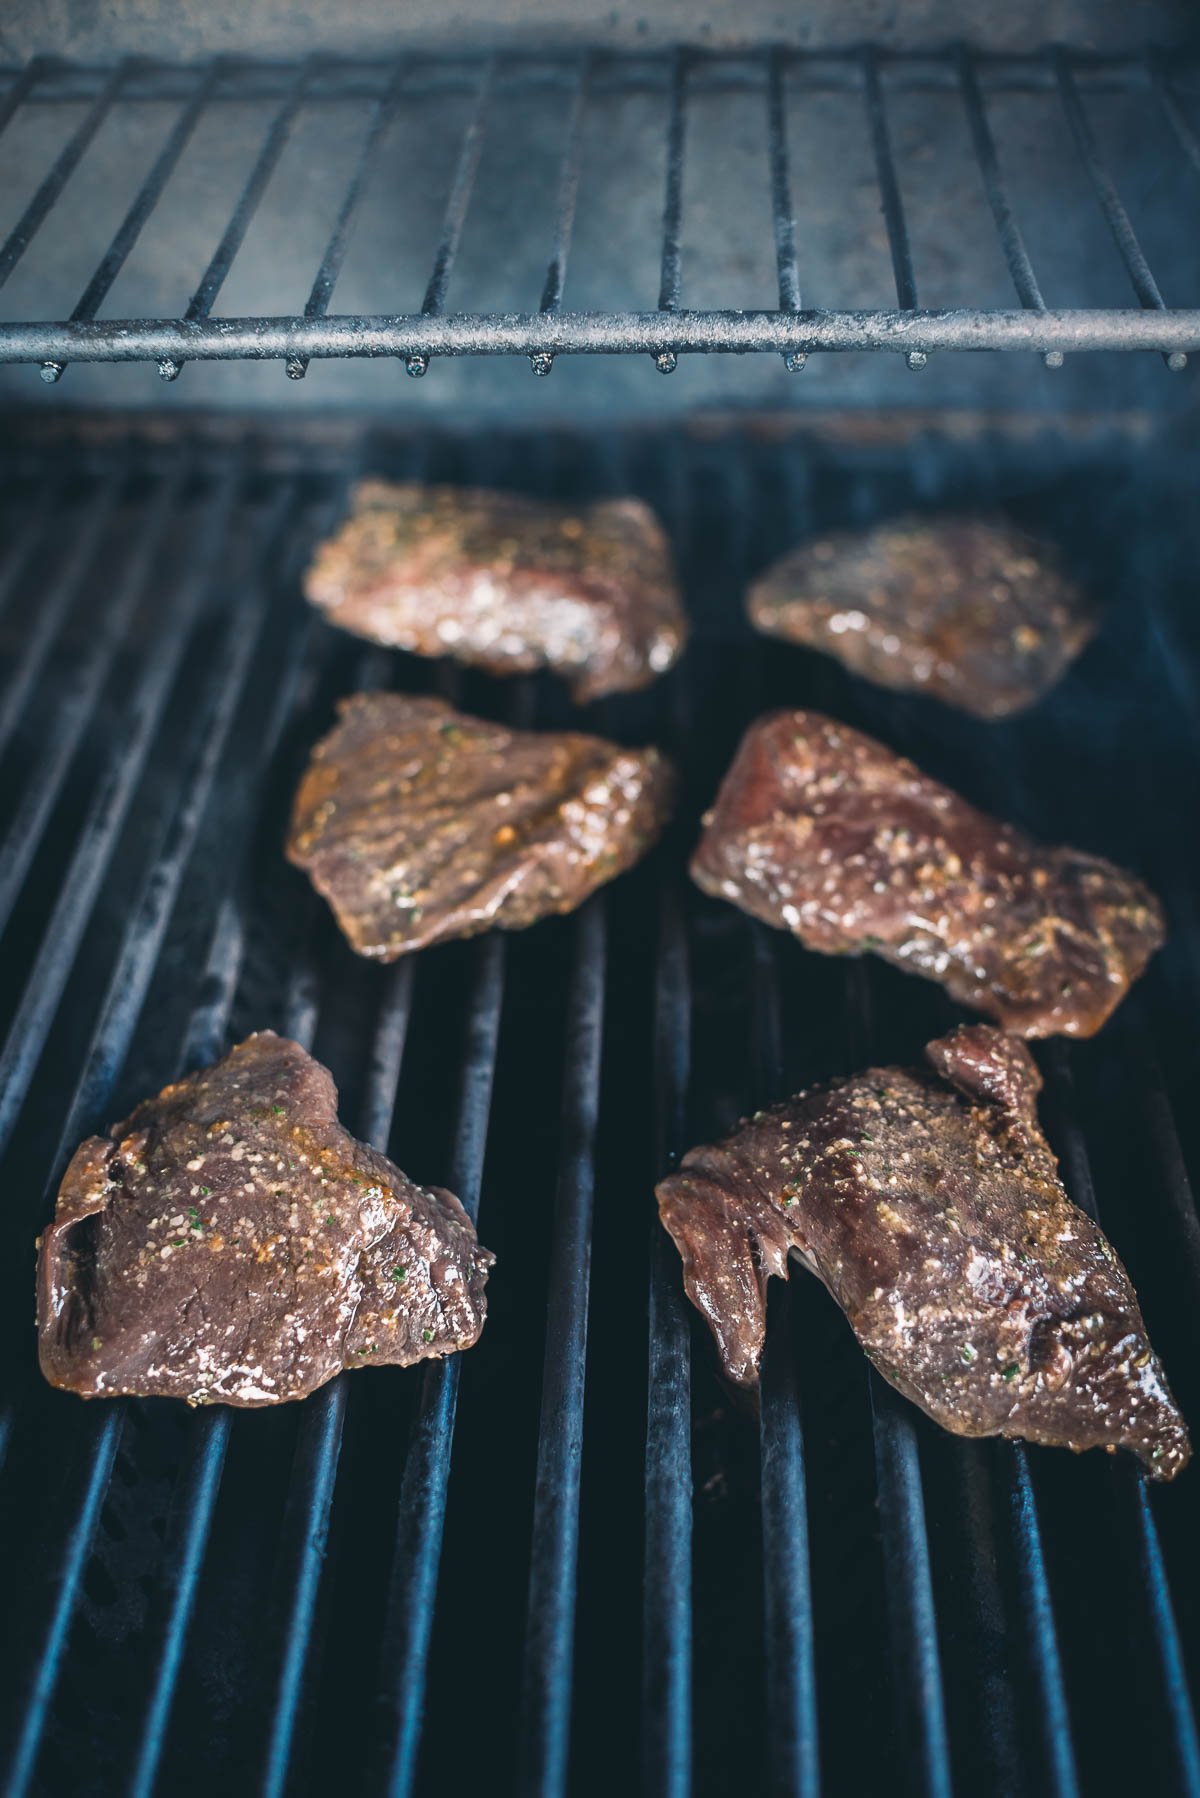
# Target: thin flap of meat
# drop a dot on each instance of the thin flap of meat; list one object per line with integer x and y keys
{"x": 417, "y": 823}
{"x": 506, "y": 582}
{"x": 827, "y": 833}
{"x": 231, "y": 1242}
{"x": 970, "y": 610}
{"x": 929, "y": 1203}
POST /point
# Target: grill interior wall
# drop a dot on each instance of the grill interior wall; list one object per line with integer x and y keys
{"x": 188, "y": 1615}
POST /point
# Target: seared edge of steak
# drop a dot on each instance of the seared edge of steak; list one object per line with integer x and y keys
{"x": 930, "y": 1206}
{"x": 819, "y": 829}
{"x": 971, "y": 610}
{"x": 506, "y": 582}
{"x": 230, "y": 1241}
{"x": 418, "y": 823}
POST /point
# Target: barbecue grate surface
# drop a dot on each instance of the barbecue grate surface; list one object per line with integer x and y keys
{"x": 525, "y": 1567}
{"x": 1030, "y": 139}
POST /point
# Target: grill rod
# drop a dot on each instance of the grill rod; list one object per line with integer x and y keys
{"x": 671, "y": 271}
{"x": 318, "y": 1446}
{"x": 889, "y": 190}
{"x": 787, "y": 1579}
{"x": 213, "y": 279}
{"x": 1008, "y": 230}
{"x": 45, "y": 630}
{"x": 1124, "y": 236}
{"x": 782, "y": 210}
{"x": 455, "y": 216}
{"x": 422, "y": 1509}
{"x": 317, "y": 304}
{"x": 34, "y": 215}
{"x": 78, "y": 704}
{"x": 146, "y": 199}
{"x": 1130, "y": 1481}
{"x": 554, "y": 1555}
{"x": 667, "y": 1564}
{"x": 564, "y": 219}
{"x": 123, "y": 1000}
{"x": 101, "y": 830}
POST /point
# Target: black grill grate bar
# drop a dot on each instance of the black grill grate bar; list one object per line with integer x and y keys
{"x": 889, "y": 191}
{"x": 317, "y": 305}
{"x": 74, "y": 710}
{"x": 1012, "y": 241}
{"x": 126, "y": 991}
{"x": 23, "y": 544}
{"x": 1076, "y": 1163}
{"x": 213, "y": 278}
{"x": 671, "y": 261}
{"x": 457, "y": 204}
{"x": 41, "y": 635}
{"x": 667, "y": 1565}
{"x": 919, "y": 1694}
{"x": 206, "y": 1037}
{"x": 104, "y": 1439}
{"x": 98, "y": 836}
{"x": 787, "y": 1581}
{"x": 318, "y": 1446}
{"x": 1111, "y": 204}
{"x": 1057, "y": 1739}
{"x": 671, "y": 266}
{"x": 782, "y": 209}
{"x": 422, "y": 1509}
{"x": 553, "y": 1566}
{"x": 568, "y": 195}
{"x": 34, "y": 215}
{"x": 146, "y": 199}
{"x": 1146, "y": 1081}
{"x": 200, "y": 1480}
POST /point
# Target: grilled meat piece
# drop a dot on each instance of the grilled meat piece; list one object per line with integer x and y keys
{"x": 506, "y": 582}
{"x": 418, "y": 823}
{"x": 823, "y": 831}
{"x": 929, "y": 1203}
{"x": 969, "y": 610}
{"x": 231, "y": 1242}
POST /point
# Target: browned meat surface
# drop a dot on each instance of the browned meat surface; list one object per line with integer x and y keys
{"x": 417, "y": 823}
{"x": 231, "y": 1242}
{"x": 969, "y": 610}
{"x": 506, "y": 582}
{"x": 929, "y": 1203}
{"x": 826, "y": 833}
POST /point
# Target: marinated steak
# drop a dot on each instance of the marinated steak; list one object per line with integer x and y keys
{"x": 417, "y": 823}
{"x": 969, "y": 610}
{"x": 506, "y": 582}
{"x": 231, "y": 1242}
{"x": 823, "y": 831}
{"x": 929, "y": 1203}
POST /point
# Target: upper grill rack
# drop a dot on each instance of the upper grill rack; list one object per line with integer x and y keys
{"x": 1068, "y": 88}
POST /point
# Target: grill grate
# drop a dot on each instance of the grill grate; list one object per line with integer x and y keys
{"x": 599, "y": 1566}
{"x": 1069, "y": 88}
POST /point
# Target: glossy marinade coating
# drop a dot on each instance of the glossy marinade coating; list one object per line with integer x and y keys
{"x": 418, "y": 823}
{"x": 508, "y": 583}
{"x": 230, "y": 1242}
{"x": 969, "y": 610}
{"x": 928, "y": 1202}
{"x": 823, "y": 831}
